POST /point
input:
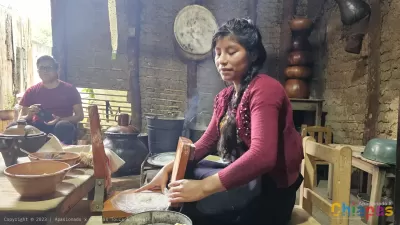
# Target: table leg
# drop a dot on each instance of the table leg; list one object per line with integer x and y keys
{"x": 318, "y": 114}
{"x": 378, "y": 180}
{"x": 330, "y": 183}
{"x": 369, "y": 181}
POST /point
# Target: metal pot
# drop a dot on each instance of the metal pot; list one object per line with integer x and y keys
{"x": 123, "y": 140}
{"x": 352, "y": 11}
{"x": 381, "y": 150}
{"x": 19, "y": 136}
{"x": 157, "y": 217}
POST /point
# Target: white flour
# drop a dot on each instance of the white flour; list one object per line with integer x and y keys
{"x": 130, "y": 202}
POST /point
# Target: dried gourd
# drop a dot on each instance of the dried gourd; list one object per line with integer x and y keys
{"x": 112, "y": 16}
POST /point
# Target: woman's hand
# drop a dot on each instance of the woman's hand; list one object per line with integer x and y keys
{"x": 159, "y": 181}
{"x": 186, "y": 191}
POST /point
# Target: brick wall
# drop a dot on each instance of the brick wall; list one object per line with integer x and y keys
{"x": 88, "y": 42}
{"x": 343, "y": 76}
{"x": 163, "y": 76}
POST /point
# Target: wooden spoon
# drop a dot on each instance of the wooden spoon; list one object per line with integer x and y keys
{"x": 28, "y": 153}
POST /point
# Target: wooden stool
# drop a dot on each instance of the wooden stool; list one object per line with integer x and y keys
{"x": 323, "y": 135}
{"x": 302, "y": 213}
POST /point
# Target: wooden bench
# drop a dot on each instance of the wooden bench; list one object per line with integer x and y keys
{"x": 341, "y": 157}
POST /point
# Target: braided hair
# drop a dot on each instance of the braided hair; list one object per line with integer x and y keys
{"x": 248, "y": 36}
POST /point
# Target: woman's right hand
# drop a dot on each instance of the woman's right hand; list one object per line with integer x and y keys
{"x": 159, "y": 181}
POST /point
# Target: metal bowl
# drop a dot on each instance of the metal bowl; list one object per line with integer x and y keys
{"x": 381, "y": 150}
{"x": 157, "y": 218}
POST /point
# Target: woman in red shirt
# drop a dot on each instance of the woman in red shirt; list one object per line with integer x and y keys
{"x": 252, "y": 127}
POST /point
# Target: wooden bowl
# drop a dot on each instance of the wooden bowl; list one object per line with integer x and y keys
{"x": 68, "y": 157}
{"x": 36, "y": 179}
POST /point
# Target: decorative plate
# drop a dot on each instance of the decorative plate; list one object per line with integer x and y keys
{"x": 194, "y": 28}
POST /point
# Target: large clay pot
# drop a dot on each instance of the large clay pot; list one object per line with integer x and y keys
{"x": 300, "y": 58}
{"x": 300, "y": 43}
{"x": 352, "y": 11}
{"x": 297, "y": 72}
{"x": 123, "y": 140}
{"x": 297, "y": 89}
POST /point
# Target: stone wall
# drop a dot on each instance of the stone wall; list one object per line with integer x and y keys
{"x": 342, "y": 77}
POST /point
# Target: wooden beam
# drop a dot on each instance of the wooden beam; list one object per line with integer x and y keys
{"x": 373, "y": 80}
{"x": 285, "y": 36}
{"x": 133, "y": 10}
{"x": 58, "y": 26}
{"x": 252, "y": 9}
{"x": 397, "y": 180}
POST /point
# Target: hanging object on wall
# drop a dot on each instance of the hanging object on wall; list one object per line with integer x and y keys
{"x": 352, "y": 11}
{"x": 300, "y": 59}
{"x": 194, "y": 28}
{"x": 112, "y": 16}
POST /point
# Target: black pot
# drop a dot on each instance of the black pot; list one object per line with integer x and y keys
{"x": 130, "y": 149}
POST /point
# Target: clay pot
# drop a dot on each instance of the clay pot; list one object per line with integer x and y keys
{"x": 297, "y": 89}
{"x": 297, "y": 72}
{"x": 36, "y": 179}
{"x": 300, "y": 58}
{"x": 68, "y": 157}
{"x": 123, "y": 140}
{"x": 300, "y": 24}
{"x": 300, "y": 43}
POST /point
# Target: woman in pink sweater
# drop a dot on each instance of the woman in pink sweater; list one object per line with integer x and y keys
{"x": 253, "y": 130}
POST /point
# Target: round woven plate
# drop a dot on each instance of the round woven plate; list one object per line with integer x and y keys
{"x": 161, "y": 159}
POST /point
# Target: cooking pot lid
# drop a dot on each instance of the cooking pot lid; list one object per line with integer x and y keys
{"x": 122, "y": 130}
{"x": 21, "y": 129}
{"x": 161, "y": 159}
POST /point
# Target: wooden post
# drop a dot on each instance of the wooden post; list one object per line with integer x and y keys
{"x": 285, "y": 36}
{"x": 397, "y": 185}
{"x": 101, "y": 172}
{"x": 58, "y": 25}
{"x": 252, "y": 10}
{"x": 373, "y": 81}
{"x": 133, "y": 10}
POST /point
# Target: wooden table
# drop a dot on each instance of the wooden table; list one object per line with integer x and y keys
{"x": 314, "y": 105}
{"x": 75, "y": 186}
{"x": 378, "y": 172}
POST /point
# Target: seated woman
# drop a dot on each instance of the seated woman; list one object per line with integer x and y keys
{"x": 252, "y": 127}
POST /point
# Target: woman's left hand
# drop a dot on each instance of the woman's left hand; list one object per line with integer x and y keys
{"x": 186, "y": 191}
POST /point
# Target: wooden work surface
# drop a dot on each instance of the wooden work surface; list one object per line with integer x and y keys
{"x": 75, "y": 186}
{"x": 356, "y": 152}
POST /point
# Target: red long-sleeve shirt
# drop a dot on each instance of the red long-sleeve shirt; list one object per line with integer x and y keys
{"x": 265, "y": 124}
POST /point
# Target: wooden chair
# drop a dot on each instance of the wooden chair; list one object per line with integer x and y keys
{"x": 302, "y": 213}
{"x": 323, "y": 135}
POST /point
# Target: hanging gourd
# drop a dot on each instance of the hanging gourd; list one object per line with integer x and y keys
{"x": 112, "y": 16}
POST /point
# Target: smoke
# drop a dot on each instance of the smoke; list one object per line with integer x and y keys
{"x": 190, "y": 114}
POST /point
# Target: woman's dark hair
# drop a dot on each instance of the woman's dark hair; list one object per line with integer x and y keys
{"x": 247, "y": 35}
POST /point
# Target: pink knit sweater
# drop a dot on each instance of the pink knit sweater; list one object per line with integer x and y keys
{"x": 265, "y": 124}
